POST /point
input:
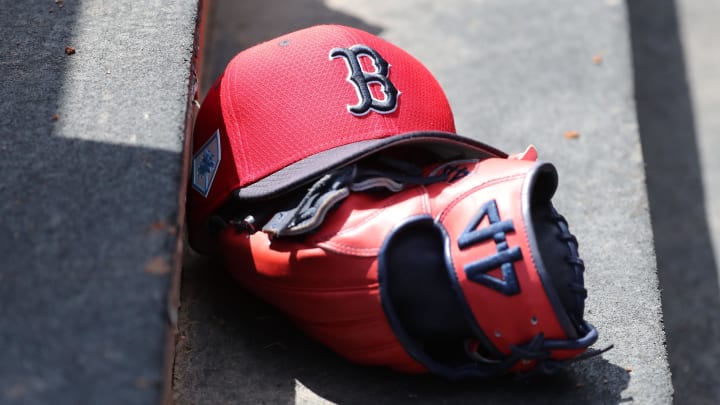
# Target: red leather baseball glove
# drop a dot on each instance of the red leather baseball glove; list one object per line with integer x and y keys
{"x": 464, "y": 269}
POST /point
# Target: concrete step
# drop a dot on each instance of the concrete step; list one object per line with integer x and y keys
{"x": 676, "y": 80}
{"x": 92, "y": 122}
{"x": 516, "y": 72}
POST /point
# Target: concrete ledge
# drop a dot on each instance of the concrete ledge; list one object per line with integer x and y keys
{"x": 516, "y": 72}
{"x": 92, "y": 123}
{"x": 676, "y": 92}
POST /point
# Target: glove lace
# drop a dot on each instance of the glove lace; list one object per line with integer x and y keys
{"x": 547, "y": 366}
{"x": 575, "y": 262}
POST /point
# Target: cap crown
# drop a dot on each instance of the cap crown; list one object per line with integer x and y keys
{"x": 303, "y": 93}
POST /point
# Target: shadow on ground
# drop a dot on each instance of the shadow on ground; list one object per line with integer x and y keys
{"x": 234, "y": 348}
{"x": 236, "y": 25}
{"x": 686, "y": 264}
{"x": 80, "y": 315}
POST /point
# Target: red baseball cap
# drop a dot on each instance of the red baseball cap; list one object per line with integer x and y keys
{"x": 290, "y": 109}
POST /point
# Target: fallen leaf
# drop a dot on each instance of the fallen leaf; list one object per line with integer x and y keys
{"x": 69, "y": 50}
{"x": 56, "y": 117}
{"x": 572, "y": 134}
{"x": 161, "y": 226}
{"x": 157, "y": 226}
{"x": 157, "y": 266}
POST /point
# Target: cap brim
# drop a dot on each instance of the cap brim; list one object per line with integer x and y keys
{"x": 441, "y": 143}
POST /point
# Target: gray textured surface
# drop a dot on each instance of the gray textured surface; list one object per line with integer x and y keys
{"x": 515, "y": 72}
{"x": 699, "y": 33}
{"x": 90, "y": 200}
{"x": 678, "y": 126}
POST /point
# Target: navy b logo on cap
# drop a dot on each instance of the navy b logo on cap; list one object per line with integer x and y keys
{"x": 362, "y": 79}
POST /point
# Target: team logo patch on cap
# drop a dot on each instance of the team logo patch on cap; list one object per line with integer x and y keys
{"x": 362, "y": 79}
{"x": 205, "y": 164}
